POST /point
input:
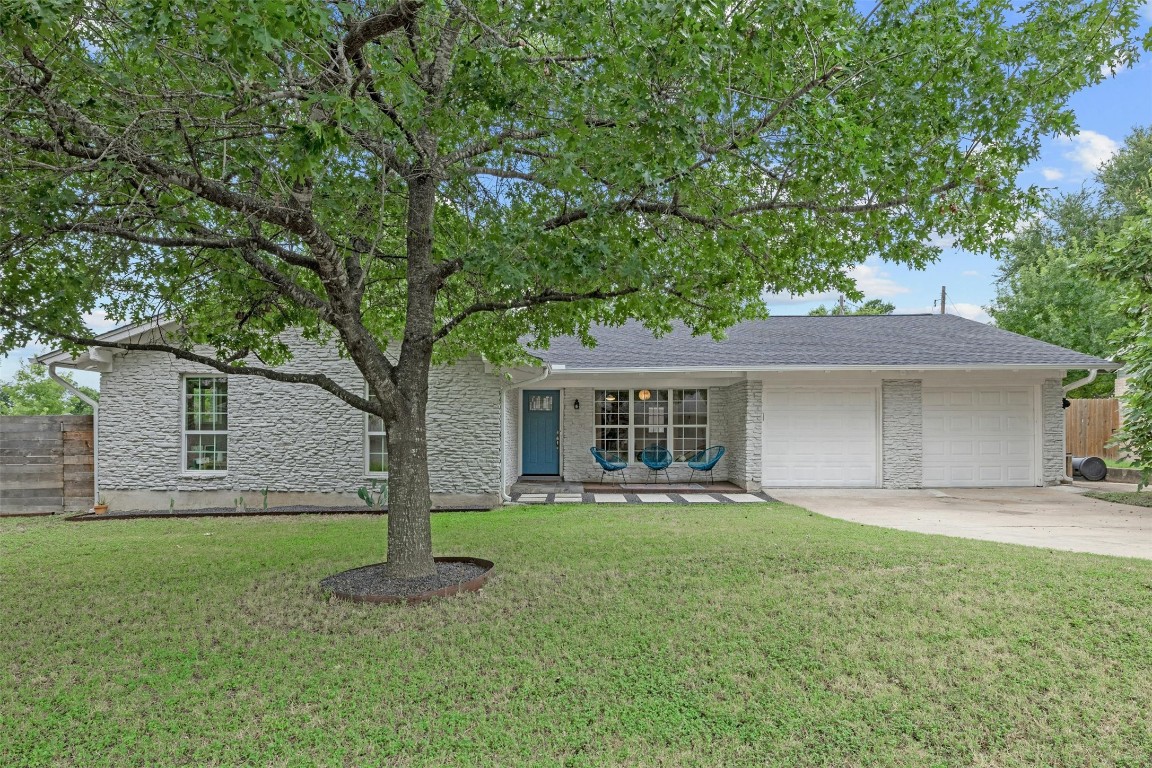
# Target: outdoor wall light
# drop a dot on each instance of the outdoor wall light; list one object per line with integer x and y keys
{"x": 643, "y": 394}
{"x": 575, "y": 405}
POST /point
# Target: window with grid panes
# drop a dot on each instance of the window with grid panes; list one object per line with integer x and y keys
{"x": 376, "y": 443}
{"x": 206, "y": 423}
{"x": 650, "y": 422}
{"x": 613, "y": 410}
{"x": 689, "y": 423}
{"x": 676, "y": 419}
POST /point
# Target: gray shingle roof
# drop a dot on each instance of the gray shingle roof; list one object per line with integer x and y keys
{"x": 834, "y": 341}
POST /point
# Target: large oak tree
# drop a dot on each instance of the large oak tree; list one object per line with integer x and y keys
{"x": 1049, "y": 286}
{"x": 424, "y": 180}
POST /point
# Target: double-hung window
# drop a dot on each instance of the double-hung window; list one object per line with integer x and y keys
{"x": 206, "y": 423}
{"x": 375, "y": 443}
{"x": 628, "y": 421}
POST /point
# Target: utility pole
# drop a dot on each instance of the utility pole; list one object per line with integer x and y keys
{"x": 843, "y": 309}
{"x": 943, "y": 297}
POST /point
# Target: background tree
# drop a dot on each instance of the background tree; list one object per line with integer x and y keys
{"x": 867, "y": 307}
{"x": 32, "y": 393}
{"x": 1046, "y": 290}
{"x": 1125, "y": 258}
{"x": 429, "y": 179}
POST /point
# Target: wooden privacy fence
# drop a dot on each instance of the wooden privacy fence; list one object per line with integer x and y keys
{"x": 45, "y": 464}
{"x": 1088, "y": 426}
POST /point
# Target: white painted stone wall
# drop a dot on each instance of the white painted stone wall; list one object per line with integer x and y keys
{"x": 576, "y": 435}
{"x": 752, "y": 393}
{"x": 903, "y": 430}
{"x": 1052, "y": 409}
{"x": 737, "y": 413}
{"x": 288, "y": 438}
{"x": 511, "y": 438}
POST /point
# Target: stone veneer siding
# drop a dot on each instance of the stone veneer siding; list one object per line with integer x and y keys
{"x": 576, "y": 435}
{"x": 903, "y": 430}
{"x": 1052, "y": 410}
{"x": 747, "y": 433}
{"x": 511, "y": 437}
{"x": 290, "y": 438}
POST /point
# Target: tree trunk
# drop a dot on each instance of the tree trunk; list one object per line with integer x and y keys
{"x": 410, "y": 502}
{"x": 409, "y": 499}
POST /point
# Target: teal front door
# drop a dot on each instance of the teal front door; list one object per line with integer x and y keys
{"x": 541, "y": 419}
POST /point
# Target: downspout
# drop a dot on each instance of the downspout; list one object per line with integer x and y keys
{"x": 95, "y": 427}
{"x": 504, "y": 497}
{"x": 1091, "y": 377}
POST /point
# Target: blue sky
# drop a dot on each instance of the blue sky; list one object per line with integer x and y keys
{"x": 1106, "y": 113}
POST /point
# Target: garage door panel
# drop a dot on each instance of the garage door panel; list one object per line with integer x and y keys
{"x": 979, "y": 437}
{"x": 819, "y": 437}
{"x": 990, "y": 399}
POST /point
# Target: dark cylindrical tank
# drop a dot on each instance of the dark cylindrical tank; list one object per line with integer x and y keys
{"x": 1089, "y": 467}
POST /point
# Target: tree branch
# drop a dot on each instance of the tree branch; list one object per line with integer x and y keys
{"x": 676, "y": 210}
{"x": 242, "y": 245}
{"x": 317, "y": 379}
{"x": 547, "y": 297}
{"x": 397, "y": 17}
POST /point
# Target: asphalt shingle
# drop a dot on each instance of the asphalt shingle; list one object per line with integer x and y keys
{"x": 884, "y": 340}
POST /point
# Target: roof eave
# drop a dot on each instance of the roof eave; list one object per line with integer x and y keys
{"x": 84, "y": 360}
{"x": 560, "y": 369}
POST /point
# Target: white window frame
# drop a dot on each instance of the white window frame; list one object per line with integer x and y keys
{"x": 368, "y": 435}
{"x": 185, "y": 432}
{"x": 670, "y": 426}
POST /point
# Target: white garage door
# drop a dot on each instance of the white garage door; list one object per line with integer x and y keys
{"x": 979, "y": 437}
{"x": 819, "y": 437}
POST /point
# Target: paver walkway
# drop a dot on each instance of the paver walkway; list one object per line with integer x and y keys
{"x": 641, "y": 498}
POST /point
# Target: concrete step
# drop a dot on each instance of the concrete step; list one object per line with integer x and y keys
{"x": 546, "y": 486}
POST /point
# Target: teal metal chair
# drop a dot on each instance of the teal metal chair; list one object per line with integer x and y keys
{"x": 608, "y": 466}
{"x": 657, "y": 458}
{"x": 705, "y": 461}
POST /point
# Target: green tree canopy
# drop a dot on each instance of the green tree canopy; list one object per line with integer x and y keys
{"x": 426, "y": 179}
{"x": 32, "y": 393}
{"x": 1046, "y": 289}
{"x": 1124, "y": 257}
{"x": 867, "y": 307}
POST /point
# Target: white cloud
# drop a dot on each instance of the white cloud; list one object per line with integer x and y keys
{"x": 1052, "y": 174}
{"x": 942, "y": 242}
{"x": 970, "y": 273}
{"x": 98, "y": 321}
{"x": 870, "y": 278}
{"x": 1089, "y": 149}
{"x": 874, "y": 282}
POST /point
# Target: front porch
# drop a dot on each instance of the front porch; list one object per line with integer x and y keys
{"x": 550, "y": 432}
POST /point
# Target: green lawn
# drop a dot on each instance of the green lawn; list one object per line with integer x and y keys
{"x": 1119, "y": 463}
{"x": 1133, "y": 498}
{"x": 612, "y": 635}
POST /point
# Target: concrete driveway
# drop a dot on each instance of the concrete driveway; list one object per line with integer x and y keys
{"x": 1053, "y": 518}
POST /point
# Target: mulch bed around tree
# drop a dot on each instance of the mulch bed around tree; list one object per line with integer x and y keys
{"x": 370, "y": 584}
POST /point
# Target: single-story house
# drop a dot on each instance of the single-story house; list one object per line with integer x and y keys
{"x": 895, "y": 401}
